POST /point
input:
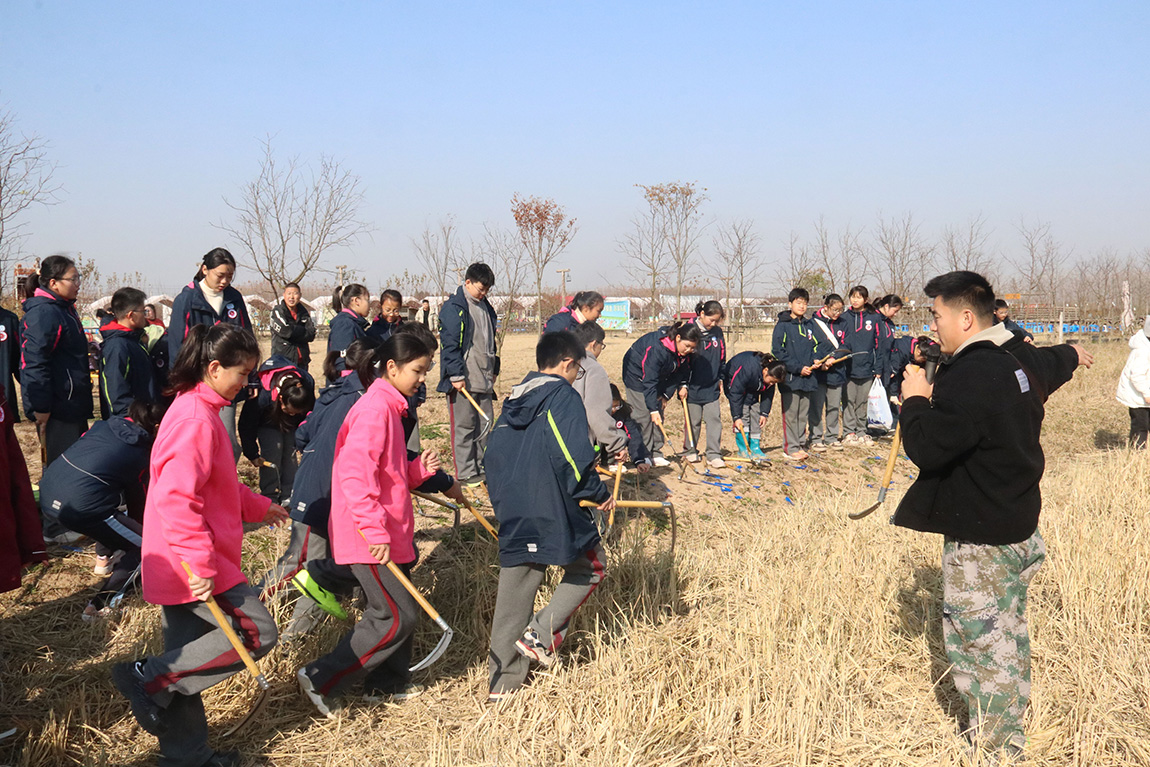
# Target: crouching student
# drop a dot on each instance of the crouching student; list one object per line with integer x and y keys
{"x": 750, "y": 388}
{"x": 104, "y": 469}
{"x": 621, "y": 412}
{"x": 542, "y": 434}
{"x": 269, "y": 421}
{"x": 797, "y": 347}
{"x": 594, "y": 388}
{"x": 655, "y": 367}
{"x": 195, "y": 512}
{"x": 372, "y": 524}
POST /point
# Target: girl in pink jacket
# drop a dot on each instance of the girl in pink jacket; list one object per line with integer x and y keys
{"x": 194, "y": 514}
{"x": 371, "y": 524}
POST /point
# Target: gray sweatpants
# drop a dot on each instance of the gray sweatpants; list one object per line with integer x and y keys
{"x": 830, "y": 399}
{"x": 513, "y": 603}
{"x": 378, "y": 647}
{"x": 652, "y": 436}
{"x": 197, "y": 656}
{"x": 711, "y": 414}
{"x": 751, "y": 414}
{"x": 466, "y": 427}
{"x": 796, "y": 406}
{"x": 277, "y": 447}
{"x": 854, "y": 406}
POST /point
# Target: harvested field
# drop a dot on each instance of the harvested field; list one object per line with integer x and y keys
{"x": 781, "y": 633}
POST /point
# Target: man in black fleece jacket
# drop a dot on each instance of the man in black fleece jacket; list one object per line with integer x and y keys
{"x": 974, "y": 436}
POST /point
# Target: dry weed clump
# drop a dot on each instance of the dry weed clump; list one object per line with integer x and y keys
{"x": 780, "y": 633}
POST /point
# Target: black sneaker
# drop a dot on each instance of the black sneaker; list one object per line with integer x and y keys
{"x": 130, "y": 682}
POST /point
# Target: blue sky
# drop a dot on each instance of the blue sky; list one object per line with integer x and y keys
{"x": 785, "y": 112}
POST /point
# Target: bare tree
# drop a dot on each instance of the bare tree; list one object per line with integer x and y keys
{"x": 504, "y": 253}
{"x": 646, "y": 253}
{"x": 801, "y": 269}
{"x": 1041, "y": 262}
{"x": 900, "y": 256}
{"x": 964, "y": 248}
{"x": 737, "y": 245}
{"x": 25, "y": 180}
{"x": 544, "y": 232}
{"x": 677, "y": 207}
{"x": 289, "y": 216}
{"x": 439, "y": 252}
{"x": 841, "y": 258}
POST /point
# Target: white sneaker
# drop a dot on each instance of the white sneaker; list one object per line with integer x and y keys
{"x": 659, "y": 461}
{"x": 322, "y": 704}
{"x": 866, "y": 440}
{"x": 851, "y": 439}
{"x": 819, "y": 447}
{"x": 717, "y": 463}
{"x": 692, "y": 457}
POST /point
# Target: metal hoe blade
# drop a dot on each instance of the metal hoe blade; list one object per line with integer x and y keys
{"x": 434, "y": 655}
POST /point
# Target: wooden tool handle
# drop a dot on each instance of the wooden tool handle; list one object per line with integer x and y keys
{"x": 407, "y": 584}
{"x": 230, "y": 633}
{"x": 687, "y": 423}
{"x": 482, "y": 520}
{"x": 474, "y": 403}
{"x": 892, "y": 457}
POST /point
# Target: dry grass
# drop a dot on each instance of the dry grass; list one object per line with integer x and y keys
{"x": 781, "y": 634}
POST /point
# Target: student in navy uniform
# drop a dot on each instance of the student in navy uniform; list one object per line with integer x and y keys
{"x": 749, "y": 383}
{"x": 389, "y": 319}
{"x": 292, "y": 328}
{"x": 542, "y": 434}
{"x": 827, "y": 399}
{"x": 1002, "y": 314}
{"x": 586, "y": 307}
{"x": 210, "y": 299}
{"x": 10, "y": 358}
{"x": 796, "y": 346}
{"x": 269, "y": 421}
{"x": 468, "y": 360}
{"x": 636, "y": 450}
{"x": 351, "y": 304}
{"x": 411, "y": 420}
{"x": 654, "y": 368}
{"x": 887, "y": 308}
{"x": 860, "y": 327}
{"x": 105, "y": 468}
{"x": 55, "y": 379}
{"x": 706, "y": 377}
{"x": 126, "y": 370}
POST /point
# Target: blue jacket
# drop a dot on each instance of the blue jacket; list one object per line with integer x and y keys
{"x": 54, "y": 373}
{"x": 861, "y": 332}
{"x": 796, "y": 346}
{"x": 456, "y": 331}
{"x": 542, "y": 434}
{"x": 343, "y": 329}
{"x": 108, "y": 462}
{"x": 315, "y": 439}
{"x": 652, "y": 366}
{"x": 635, "y": 446}
{"x": 744, "y": 385}
{"x": 706, "y": 365}
{"x": 156, "y": 344}
{"x": 901, "y": 354}
{"x": 382, "y": 329}
{"x": 886, "y": 335}
{"x": 260, "y": 410}
{"x": 564, "y": 319}
{"x": 191, "y": 308}
{"x": 837, "y": 375}
{"x": 9, "y": 358}
{"x": 127, "y": 373}
{"x": 1017, "y": 329}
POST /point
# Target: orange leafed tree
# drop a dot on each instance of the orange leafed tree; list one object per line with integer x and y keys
{"x": 544, "y": 232}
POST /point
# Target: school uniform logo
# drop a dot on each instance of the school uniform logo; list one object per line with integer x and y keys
{"x": 232, "y": 313}
{"x": 3, "y": 334}
{"x": 869, "y": 326}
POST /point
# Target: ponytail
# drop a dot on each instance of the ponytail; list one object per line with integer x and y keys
{"x": 213, "y": 258}
{"x": 147, "y": 415}
{"x": 710, "y": 309}
{"x": 587, "y": 299}
{"x": 688, "y": 331}
{"x": 343, "y": 295}
{"x": 402, "y": 349}
{"x": 228, "y": 344}
{"x": 295, "y": 393}
{"x": 361, "y": 357}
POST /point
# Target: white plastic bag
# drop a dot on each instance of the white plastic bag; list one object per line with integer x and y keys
{"x": 878, "y": 414}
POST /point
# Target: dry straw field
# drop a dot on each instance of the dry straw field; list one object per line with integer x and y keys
{"x": 781, "y": 633}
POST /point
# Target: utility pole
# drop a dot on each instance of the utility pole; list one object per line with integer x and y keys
{"x": 563, "y": 289}
{"x": 339, "y": 274}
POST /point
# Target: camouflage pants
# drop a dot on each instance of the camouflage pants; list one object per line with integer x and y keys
{"x": 984, "y": 626}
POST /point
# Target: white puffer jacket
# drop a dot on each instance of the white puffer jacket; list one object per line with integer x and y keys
{"x": 1134, "y": 385}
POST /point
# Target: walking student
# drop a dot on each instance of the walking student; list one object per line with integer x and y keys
{"x": 795, "y": 345}
{"x": 542, "y": 434}
{"x": 654, "y": 369}
{"x": 750, "y": 388}
{"x": 860, "y": 329}
{"x": 827, "y": 398}
{"x": 352, "y": 303}
{"x": 269, "y": 422}
{"x": 468, "y": 361}
{"x": 127, "y": 373}
{"x": 706, "y": 376}
{"x": 292, "y": 328}
{"x": 1134, "y": 386}
{"x": 372, "y": 524}
{"x": 195, "y": 512}
{"x": 975, "y": 437}
{"x": 210, "y": 299}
